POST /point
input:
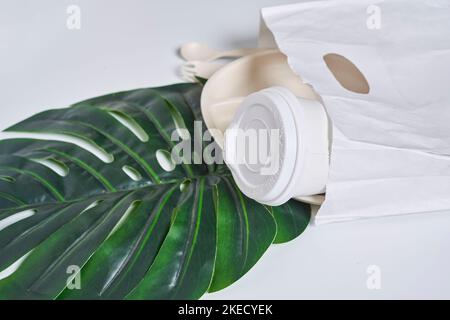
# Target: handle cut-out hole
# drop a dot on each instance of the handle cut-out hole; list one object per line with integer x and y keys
{"x": 346, "y": 73}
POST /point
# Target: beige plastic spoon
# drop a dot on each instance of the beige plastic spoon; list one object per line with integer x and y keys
{"x": 194, "y": 51}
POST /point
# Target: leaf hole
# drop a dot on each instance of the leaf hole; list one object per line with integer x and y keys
{"x": 16, "y": 217}
{"x": 13, "y": 267}
{"x": 81, "y": 142}
{"x": 92, "y": 205}
{"x": 132, "y": 173}
{"x": 165, "y": 160}
{"x": 7, "y": 179}
{"x": 127, "y": 212}
{"x": 56, "y": 166}
{"x": 130, "y": 124}
{"x": 178, "y": 120}
{"x": 184, "y": 185}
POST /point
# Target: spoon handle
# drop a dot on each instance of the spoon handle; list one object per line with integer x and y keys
{"x": 236, "y": 53}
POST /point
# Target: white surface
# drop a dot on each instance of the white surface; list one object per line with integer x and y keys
{"x": 129, "y": 44}
{"x": 393, "y": 141}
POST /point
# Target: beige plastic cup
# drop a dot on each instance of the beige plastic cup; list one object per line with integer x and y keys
{"x": 228, "y": 87}
{"x": 226, "y": 90}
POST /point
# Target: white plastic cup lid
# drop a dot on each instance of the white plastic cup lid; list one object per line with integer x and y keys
{"x": 261, "y": 146}
{"x": 277, "y": 146}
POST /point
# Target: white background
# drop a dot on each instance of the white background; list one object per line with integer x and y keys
{"x": 130, "y": 44}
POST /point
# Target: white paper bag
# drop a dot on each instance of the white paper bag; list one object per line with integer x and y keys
{"x": 391, "y": 146}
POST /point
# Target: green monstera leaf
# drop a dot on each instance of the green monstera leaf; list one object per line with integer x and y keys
{"x": 99, "y": 214}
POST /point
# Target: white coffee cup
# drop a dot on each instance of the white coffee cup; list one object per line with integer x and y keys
{"x": 277, "y": 146}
